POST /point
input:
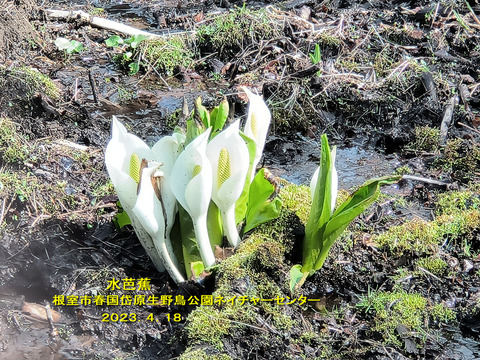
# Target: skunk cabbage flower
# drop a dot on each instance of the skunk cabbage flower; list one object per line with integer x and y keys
{"x": 229, "y": 157}
{"x": 122, "y": 151}
{"x": 258, "y": 122}
{"x": 166, "y": 151}
{"x": 155, "y": 209}
{"x": 191, "y": 183}
{"x": 313, "y": 182}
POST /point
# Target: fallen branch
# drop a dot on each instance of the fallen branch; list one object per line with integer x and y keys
{"x": 99, "y": 22}
{"x": 425, "y": 180}
{"x": 447, "y": 120}
{"x": 469, "y": 127}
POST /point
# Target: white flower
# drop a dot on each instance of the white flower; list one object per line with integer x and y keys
{"x": 191, "y": 183}
{"x": 166, "y": 151}
{"x": 122, "y": 150}
{"x": 229, "y": 157}
{"x": 155, "y": 210}
{"x": 334, "y": 175}
{"x": 258, "y": 122}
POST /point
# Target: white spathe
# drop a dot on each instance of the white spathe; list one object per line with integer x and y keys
{"x": 157, "y": 215}
{"x": 117, "y": 159}
{"x": 229, "y": 157}
{"x": 191, "y": 183}
{"x": 334, "y": 175}
{"x": 166, "y": 151}
{"x": 258, "y": 122}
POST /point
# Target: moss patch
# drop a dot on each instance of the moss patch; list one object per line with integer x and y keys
{"x": 416, "y": 235}
{"x": 249, "y": 285}
{"x": 461, "y": 158}
{"x": 391, "y": 309}
{"x": 458, "y": 219}
{"x": 233, "y": 31}
{"x": 434, "y": 265}
{"x": 166, "y": 55}
{"x": 425, "y": 139}
{"x": 35, "y": 81}
{"x": 201, "y": 354}
{"x": 13, "y": 146}
{"x": 297, "y": 199}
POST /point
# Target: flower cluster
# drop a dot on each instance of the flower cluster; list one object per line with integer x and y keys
{"x": 206, "y": 174}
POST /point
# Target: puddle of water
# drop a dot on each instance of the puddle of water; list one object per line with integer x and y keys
{"x": 147, "y": 118}
{"x": 296, "y": 161}
{"x": 356, "y": 165}
{"x": 467, "y": 348}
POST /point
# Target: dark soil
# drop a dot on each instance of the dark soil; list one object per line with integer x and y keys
{"x": 386, "y": 70}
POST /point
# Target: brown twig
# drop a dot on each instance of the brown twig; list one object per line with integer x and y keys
{"x": 425, "y": 180}
{"x": 473, "y": 13}
{"x": 51, "y": 324}
{"x": 93, "y": 86}
{"x": 2, "y": 214}
{"x": 447, "y": 120}
{"x": 469, "y": 127}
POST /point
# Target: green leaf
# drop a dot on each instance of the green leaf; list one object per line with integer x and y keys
{"x": 74, "y": 47}
{"x": 197, "y": 268}
{"x": 214, "y": 225}
{"x": 191, "y": 254}
{"x": 194, "y": 128}
{"x": 176, "y": 240}
{"x": 320, "y": 212}
{"x": 121, "y": 219}
{"x": 316, "y": 57}
{"x": 135, "y": 40}
{"x": 114, "y": 41}
{"x": 219, "y": 116}
{"x": 241, "y": 203}
{"x": 357, "y": 203}
{"x": 297, "y": 277}
{"x": 134, "y": 68}
{"x": 260, "y": 209}
{"x": 201, "y": 113}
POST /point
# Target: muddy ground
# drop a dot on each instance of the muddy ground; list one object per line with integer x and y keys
{"x": 396, "y": 88}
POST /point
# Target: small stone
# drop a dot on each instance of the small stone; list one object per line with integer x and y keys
{"x": 467, "y": 265}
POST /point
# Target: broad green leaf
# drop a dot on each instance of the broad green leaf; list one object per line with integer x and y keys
{"x": 176, "y": 240}
{"x": 214, "y": 225}
{"x": 74, "y": 47}
{"x": 361, "y": 200}
{"x": 219, "y": 116}
{"x": 135, "y": 40}
{"x": 320, "y": 212}
{"x": 357, "y": 203}
{"x": 197, "y": 268}
{"x": 297, "y": 277}
{"x": 367, "y": 189}
{"x": 134, "y": 68}
{"x": 202, "y": 113}
{"x": 194, "y": 128}
{"x": 191, "y": 253}
{"x": 121, "y": 219}
{"x": 260, "y": 209}
{"x": 114, "y": 41}
{"x": 241, "y": 203}
{"x": 316, "y": 56}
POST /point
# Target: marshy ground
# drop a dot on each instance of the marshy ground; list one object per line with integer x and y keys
{"x": 396, "y": 87}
